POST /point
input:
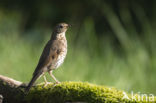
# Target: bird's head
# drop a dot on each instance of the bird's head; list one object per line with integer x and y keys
{"x": 59, "y": 31}
{"x": 61, "y": 27}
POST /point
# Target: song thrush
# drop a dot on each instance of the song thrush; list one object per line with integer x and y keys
{"x": 52, "y": 56}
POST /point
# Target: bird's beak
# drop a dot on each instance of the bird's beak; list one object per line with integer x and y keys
{"x": 68, "y": 26}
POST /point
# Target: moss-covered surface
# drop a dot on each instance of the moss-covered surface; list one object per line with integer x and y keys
{"x": 80, "y": 92}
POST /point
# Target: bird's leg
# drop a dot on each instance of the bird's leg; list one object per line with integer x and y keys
{"x": 50, "y": 72}
{"x": 45, "y": 80}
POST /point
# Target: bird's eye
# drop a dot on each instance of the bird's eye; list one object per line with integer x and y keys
{"x": 61, "y": 26}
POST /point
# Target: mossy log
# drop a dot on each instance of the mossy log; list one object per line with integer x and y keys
{"x": 65, "y": 92}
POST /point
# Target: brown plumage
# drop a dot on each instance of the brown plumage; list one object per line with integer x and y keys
{"x": 52, "y": 56}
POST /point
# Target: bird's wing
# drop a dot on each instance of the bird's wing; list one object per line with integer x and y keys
{"x": 49, "y": 55}
{"x": 46, "y": 57}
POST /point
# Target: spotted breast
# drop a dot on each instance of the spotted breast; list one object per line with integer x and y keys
{"x": 61, "y": 51}
{"x": 60, "y": 59}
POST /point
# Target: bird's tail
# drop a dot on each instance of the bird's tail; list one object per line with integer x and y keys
{"x": 35, "y": 77}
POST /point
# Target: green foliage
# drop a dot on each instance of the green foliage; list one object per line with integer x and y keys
{"x": 78, "y": 92}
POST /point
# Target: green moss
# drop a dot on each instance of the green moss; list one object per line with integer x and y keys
{"x": 78, "y": 91}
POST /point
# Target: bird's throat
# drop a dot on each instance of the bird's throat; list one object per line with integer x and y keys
{"x": 58, "y": 36}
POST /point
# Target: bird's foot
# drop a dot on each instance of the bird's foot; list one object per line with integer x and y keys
{"x": 46, "y": 83}
{"x": 57, "y": 82}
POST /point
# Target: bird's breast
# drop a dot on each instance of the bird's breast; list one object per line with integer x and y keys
{"x": 60, "y": 60}
{"x": 61, "y": 55}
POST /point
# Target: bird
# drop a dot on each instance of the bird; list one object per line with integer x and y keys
{"x": 53, "y": 55}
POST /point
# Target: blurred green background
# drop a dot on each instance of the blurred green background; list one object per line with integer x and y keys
{"x": 111, "y": 42}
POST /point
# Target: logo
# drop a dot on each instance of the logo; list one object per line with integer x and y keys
{"x": 138, "y": 97}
